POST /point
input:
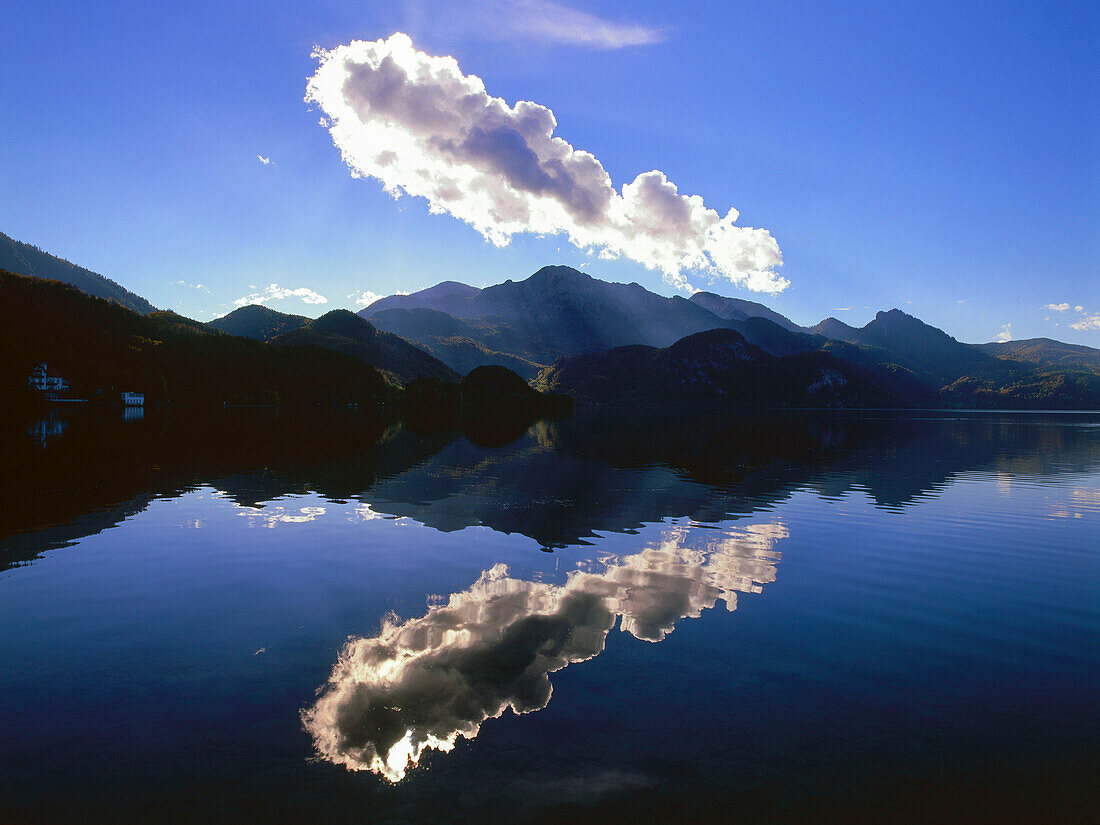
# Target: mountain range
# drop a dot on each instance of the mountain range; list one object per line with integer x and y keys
{"x": 562, "y": 313}
{"x": 565, "y": 331}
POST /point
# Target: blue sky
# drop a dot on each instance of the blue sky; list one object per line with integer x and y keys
{"x": 943, "y": 158}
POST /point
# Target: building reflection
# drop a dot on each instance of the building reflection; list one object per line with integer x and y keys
{"x": 423, "y": 683}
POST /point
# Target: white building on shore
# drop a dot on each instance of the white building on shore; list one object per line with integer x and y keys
{"x": 51, "y": 386}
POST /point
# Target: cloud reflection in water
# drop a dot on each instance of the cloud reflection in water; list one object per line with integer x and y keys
{"x": 425, "y": 682}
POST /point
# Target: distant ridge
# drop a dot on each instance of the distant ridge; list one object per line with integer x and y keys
{"x": 446, "y": 296}
{"x": 738, "y": 309}
{"x": 24, "y": 259}
{"x": 1045, "y": 351}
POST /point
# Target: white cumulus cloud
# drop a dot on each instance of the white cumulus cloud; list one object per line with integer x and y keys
{"x": 1058, "y": 307}
{"x": 423, "y": 128}
{"x": 1005, "y": 334}
{"x": 264, "y": 161}
{"x": 1089, "y": 323}
{"x": 274, "y": 292}
{"x": 364, "y": 298}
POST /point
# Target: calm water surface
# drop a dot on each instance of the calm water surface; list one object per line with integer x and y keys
{"x": 828, "y": 618}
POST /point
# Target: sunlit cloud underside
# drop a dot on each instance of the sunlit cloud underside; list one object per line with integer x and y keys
{"x": 419, "y": 125}
{"x": 426, "y": 682}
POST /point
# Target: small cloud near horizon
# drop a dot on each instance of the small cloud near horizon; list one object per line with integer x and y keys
{"x": 366, "y": 297}
{"x": 1005, "y": 335}
{"x": 841, "y": 309}
{"x": 274, "y": 292}
{"x": 421, "y": 127}
{"x": 1089, "y": 323}
{"x": 201, "y": 287}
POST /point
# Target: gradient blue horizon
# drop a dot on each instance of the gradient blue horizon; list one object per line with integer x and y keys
{"x": 936, "y": 157}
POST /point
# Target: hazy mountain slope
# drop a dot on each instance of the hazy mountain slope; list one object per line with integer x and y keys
{"x": 775, "y": 339}
{"x": 460, "y": 344}
{"x": 102, "y": 348}
{"x": 258, "y": 322}
{"x": 715, "y": 368}
{"x": 344, "y": 331}
{"x": 447, "y": 296}
{"x": 1045, "y": 352}
{"x": 837, "y": 330}
{"x": 24, "y": 259}
{"x": 738, "y": 309}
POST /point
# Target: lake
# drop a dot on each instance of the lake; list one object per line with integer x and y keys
{"x": 614, "y": 617}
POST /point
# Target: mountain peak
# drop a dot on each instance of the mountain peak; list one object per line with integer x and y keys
{"x": 896, "y": 314}
{"x": 559, "y": 273}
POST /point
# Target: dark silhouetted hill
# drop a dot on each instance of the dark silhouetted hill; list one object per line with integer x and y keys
{"x": 24, "y": 259}
{"x": 344, "y": 331}
{"x": 103, "y": 348}
{"x": 717, "y": 368}
{"x": 258, "y": 322}
{"x": 921, "y": 346}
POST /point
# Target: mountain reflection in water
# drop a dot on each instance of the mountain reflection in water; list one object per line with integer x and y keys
{"x": 559, "y": 482}
{"x": 425, "y": 682}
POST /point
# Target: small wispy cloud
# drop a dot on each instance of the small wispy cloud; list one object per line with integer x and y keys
{"x": 841, "y": 309}
{"x": 557, "y": 23}
{"x": 200, "y": 287}
{"x": 1005, "y": 335}
{"x": 264, "y": 161}
{"x": 1088, "y": 322}
{"x": 274, "y": 292}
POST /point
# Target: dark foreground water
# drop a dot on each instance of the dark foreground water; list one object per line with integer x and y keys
{"x": 269, "y": 618}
